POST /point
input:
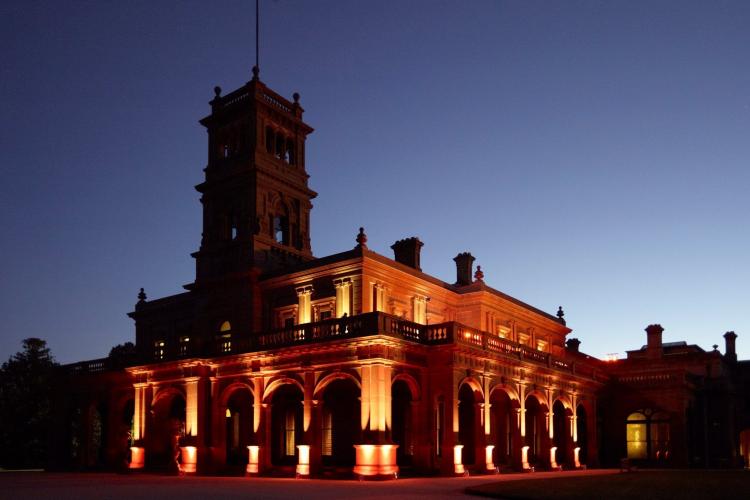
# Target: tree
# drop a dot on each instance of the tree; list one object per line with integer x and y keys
{"x": 122, "y": 354}
{"x": 25, "y": 405}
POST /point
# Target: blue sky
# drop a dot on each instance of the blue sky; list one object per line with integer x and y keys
{"x": 589, "y": 154}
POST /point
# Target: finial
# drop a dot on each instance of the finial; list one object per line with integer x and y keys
{"x": 256, "y": 72}
{"x": 716, "y": 347}
{"x": 478, "y": 274}
{"x": 217, "y": 91}
{"x": 561, "y": 315}
{"x": 142, "y": 296}
{"x": 362, "y": 238}
{"x": 295, "y": 96}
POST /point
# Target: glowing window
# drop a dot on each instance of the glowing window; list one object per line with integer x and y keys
{"x": 159, "y": 348}
{"x": 289, "y": 447}
{"x": 225, "y": 327}
{"x": 184, "y": 345}
{"x": 647, "y": 435}
{"x": 228, "y": 413}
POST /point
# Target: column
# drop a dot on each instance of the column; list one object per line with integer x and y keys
{"x": 343, "y": 296}
{"x": 376, "y": 457}
{"x": 141, "y": 403}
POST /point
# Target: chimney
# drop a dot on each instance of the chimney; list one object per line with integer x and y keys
{"x": 407, "y": 251}
{"x": 653, "y": 337}
{"x": 464, "y": 267}
{"x": 572, "y": 344}
{"x": 729, "y": 350}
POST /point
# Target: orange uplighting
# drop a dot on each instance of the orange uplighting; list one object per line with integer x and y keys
{"x": 376, "y": 460}
{"x": 303, "y": 465}
{"x": 489, "y": 462}
{"x": 525, "y": 459}
{"x": 458, "y": 465}
{"x": 189, "y": 457}
{"x": 253, "y": 452}
{"x": 137, "y": 456}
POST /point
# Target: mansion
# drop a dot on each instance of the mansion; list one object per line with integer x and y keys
{"x": 276, "y": 362}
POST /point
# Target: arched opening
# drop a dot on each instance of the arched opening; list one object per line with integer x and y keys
{"x": 582, "y": 431}
{"x": 467, "y": 414}
{"x": 280, "y": 146}
{"x": 647, "y": 436}
{"x": 401, "y": 421}
{"x": 286, "y": 424}
{"x": 168, "y": 428}
{"x": 341, "y": 428}
{"x": 125, "y": 433}
{"x": 290, "y": 152}
{"x": 270, "y": 139}
{"x": 238, "y": 417}
{"x": 535, "y": 428}
{"x": 95, "y": 450}
{"x": 503, "y": 425}
{"x": 560, "y": 431}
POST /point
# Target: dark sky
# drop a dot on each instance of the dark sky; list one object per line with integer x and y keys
{"x": 590, "y": 154}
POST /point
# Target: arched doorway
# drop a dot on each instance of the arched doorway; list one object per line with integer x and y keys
{"x": 467, "y": 420}
{"x": 582, "y": 431}
{"x": 341, "y": 427}
{"x": 560, "y": 432}
{"x": 238, "y": 426}
{"x": 503, "y": 426}
{"x": 286, "y": 424}
{"x": 401, "y": 422}
{"x": 169, "y": 427}
{"x": 536, "y": 428}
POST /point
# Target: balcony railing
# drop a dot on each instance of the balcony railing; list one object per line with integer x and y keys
{"x": 352, "y": 327}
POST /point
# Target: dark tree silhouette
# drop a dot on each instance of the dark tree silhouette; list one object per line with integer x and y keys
{"x": 25, "y": 400}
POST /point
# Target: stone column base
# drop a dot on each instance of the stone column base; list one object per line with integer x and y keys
{"x": 137, "y": 457}
{"x": 253, "y": 462}
{"x": 188, "y": 459}
{"x": 376, "y": 461}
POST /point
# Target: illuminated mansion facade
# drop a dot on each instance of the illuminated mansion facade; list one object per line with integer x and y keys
{"x": 274, "y": 361}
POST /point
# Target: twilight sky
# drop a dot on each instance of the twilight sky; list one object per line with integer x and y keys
{"x": 589, "y": 154}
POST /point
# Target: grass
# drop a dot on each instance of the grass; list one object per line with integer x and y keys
{"x": 641, "y": 485}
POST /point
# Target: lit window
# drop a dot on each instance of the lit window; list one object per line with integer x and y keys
{"x": 289, "y": 447}
{"x": 159, "y": 346}
{"x": 225, "y": 337}
{"x": 184, "y": 345}
{"x": 228, "y": 413}
{"x": 647, "y": 435}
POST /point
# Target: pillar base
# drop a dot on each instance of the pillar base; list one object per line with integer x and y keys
{"x": 188, "y": 460}
{"x": 137, "y": 458}
{"x": 253, "y": 462}
{"x": 376, "y": 461}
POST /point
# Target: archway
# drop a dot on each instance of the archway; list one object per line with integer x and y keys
{"x": 647, "y": 436}
{"x": 536, "y": 428}
{"x": 503, "y": 426}
{"x": 238, "y": 426}
{"x": 168, "y": 428}
{"x": 401, "y": 421}
{"x": 286, "y": 424}
{"x": 467, "y": 428}
{"x": 340, "y": 423}
{"x": 582, "y": 431}
{"x": 560, "y": 431}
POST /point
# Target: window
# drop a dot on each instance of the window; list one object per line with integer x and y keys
{"x": 327, "y": 433}
{"x": 289, "y": 447}
{"x": 225, "y": 337}
{"x": 281, "y": 229}
{"x": 290, "y": 153}
{"x": 647, "y": 435}
{"x": 159, "y": 349}
{"x": 270, "y": 141}
{"x": 184, "y": 346}
{"x": 324, "y": 315}
{"x": 439, "y": 416}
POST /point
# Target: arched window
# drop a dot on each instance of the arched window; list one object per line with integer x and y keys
{"x": 280, "y": 146}
{"x": 281, "y": 225}
{"x": 647, "y": 435}
{"x": 225, "y": 337}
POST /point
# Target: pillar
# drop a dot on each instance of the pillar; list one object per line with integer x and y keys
{"x": 376, "y": 457}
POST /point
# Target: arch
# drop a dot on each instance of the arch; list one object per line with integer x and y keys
{"x": 468, "y": 423}
{"x": 582, "y": 432}
{"x": 474, "y": 385}
{"x": 503, "y": 423}
{"x": 278, "y": 383}
{"x": 341, "y": 423}
{"x": 226, "y": 393}
{"x": 402, "y": 419}
{"x": 540, "y": 398}
{"x": 561, "y": 431}
{"x": 566, "y": 402}
{"x": 648, "y": 435}
{"x": 509, "y": 391}
{"x": 410, "y": 382}
{"x": 286, "y": 403}
{"x": 327, "y": 379}
{"x": 164, "y": 392}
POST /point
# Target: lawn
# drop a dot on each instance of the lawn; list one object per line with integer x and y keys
{"x": 641, "y": 485}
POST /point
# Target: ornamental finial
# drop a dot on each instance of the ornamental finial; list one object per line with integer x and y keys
{"x": 479, "y": 275}
{"x": 361, "y": 238}
{"x": 142, "y": 296}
